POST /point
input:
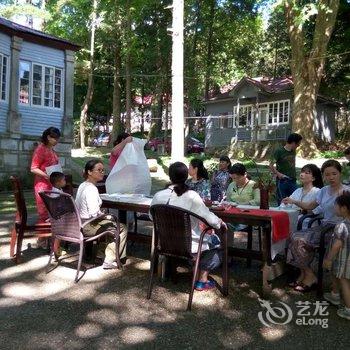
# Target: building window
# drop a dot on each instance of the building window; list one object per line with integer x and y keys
{"x": 24, "y": 74}
{"x": 45, "y": 83}
{"x": 278, "y": 113}
{"x": 244, "y": 117}
{"x": 3, "y": 77}
{"x": 224, "y": 121}
{"x": 37, "y": 84}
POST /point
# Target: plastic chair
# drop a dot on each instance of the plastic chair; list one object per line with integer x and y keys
{"x": 67, "y": 226}
{"x": 173, "y": 238}
{"x": 22, "y": 226}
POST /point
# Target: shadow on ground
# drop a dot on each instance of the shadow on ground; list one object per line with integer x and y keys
{"x": 109, "y": 309}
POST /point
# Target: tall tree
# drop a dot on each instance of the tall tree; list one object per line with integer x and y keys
{"x": 90, "y": 87}
{"x": 308, "y": 63}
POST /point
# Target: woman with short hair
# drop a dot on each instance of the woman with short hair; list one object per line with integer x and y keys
{"x": 89, "y": 203}
{"x": 220, "y": 179}
{"x": 242, "y": 190}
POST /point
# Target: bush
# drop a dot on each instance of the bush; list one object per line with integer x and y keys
{"x": 331, "y": 154}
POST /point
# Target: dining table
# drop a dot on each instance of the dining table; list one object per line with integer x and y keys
{"x": 275, "y": 224}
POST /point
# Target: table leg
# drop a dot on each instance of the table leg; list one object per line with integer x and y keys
{"x": 266, "y": 257}
{"x": 122, "y": 216}
{"x": 225, "y": 277}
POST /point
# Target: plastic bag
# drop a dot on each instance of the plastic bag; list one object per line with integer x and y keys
{"x": 130, "y": 173}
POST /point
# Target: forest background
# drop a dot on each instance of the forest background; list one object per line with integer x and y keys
{"x": 126, "y": 51}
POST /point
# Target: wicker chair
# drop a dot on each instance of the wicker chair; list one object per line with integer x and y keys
{"x": 67, "y": 226}
{"x": 322, "y": 247}
{"x": 173, "y": 238}
{"x": 22, "y": 226}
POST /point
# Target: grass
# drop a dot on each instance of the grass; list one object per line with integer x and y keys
{"x": 331, "y": 154}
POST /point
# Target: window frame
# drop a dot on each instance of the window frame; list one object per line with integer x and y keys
{"x": 265, "y": 105}
{"x": 7, "y": 77}
{"x": 31, "y": 86}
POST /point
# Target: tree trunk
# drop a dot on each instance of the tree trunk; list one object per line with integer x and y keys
{"x": 128, "y": 69}
{"x": 117, "y": 122}
{"x": 90, "y": 89}
{"x": 308, "y": 67}
{"x": 209, "y": 51}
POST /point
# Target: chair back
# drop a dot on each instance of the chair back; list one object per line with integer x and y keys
{"x": 64, "y": 215}
{"x": 172, "y": 230}
{"x": 21, "y": 213}
{"x": 69, "y": 184}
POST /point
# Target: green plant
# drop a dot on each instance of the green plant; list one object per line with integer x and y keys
{"x": 331, "y": 154}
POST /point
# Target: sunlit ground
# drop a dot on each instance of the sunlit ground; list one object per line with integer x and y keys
{"x": 109, "y": 309}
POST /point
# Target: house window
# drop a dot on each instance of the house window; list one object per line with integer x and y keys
{"x": 58, "y": 85}
{"x": 223, "y": 121}
{"x": 45, "y": 83}
{"x": 24, "y": 74}
{"x": 278, "y": 113}
{"x": 3, "y": 77}
{"x": 263, "y": 111}
{"x": 245, "y": 116}
{"x": 37, "y": 84}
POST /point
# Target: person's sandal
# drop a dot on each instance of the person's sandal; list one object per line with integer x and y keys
{"x": 203, "y": 286}
{"x": 294, "y": 284}
{"x": 303, "y": 288}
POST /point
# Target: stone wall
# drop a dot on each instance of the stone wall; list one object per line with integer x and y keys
{"x": 16, "y": 154}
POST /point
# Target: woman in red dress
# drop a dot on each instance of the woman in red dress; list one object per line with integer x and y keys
{"x": 118, "y": 146}
{"x": 43, "y": 157}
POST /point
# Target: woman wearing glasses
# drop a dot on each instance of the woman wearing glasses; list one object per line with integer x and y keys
{"x": 89, "y": 203}
{"x": 44, "y": 156}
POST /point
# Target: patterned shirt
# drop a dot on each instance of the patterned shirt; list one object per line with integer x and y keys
{"x": 202, "y": 187}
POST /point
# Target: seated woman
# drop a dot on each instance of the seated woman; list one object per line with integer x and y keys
{"x": 199, "y": 181}
{"x": 88, "y": 202}
{"x": 178, "y": 194}
{"x": 220, "y": 179}
{"x": 118, "y": 146}
{"x": 302, "y": 244}
{"x": 311, "y": 181}
{"x": 242, "y": 190}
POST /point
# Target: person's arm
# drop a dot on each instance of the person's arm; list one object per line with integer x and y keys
{"x": 336, "y": 246}
{"x": 37, "y": 161}
{"x": 37, "y": 171}
{"x": 92, "y": 198}
{"x": 229, "y": 192}
{"x": 120, "y": 146}
{"x": 340, "y": 235}
{"x": 272, "y": 167}
{"x": 256, "y": 197}
{"x": 300, "y": 204}
{"x": 198, "y": 207}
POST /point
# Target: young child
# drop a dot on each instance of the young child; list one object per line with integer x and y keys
{"x": 58, "y": 181}
{"x": 338, "y": 257}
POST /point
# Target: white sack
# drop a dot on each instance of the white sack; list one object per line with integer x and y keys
{"x": 130, "y": 173}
